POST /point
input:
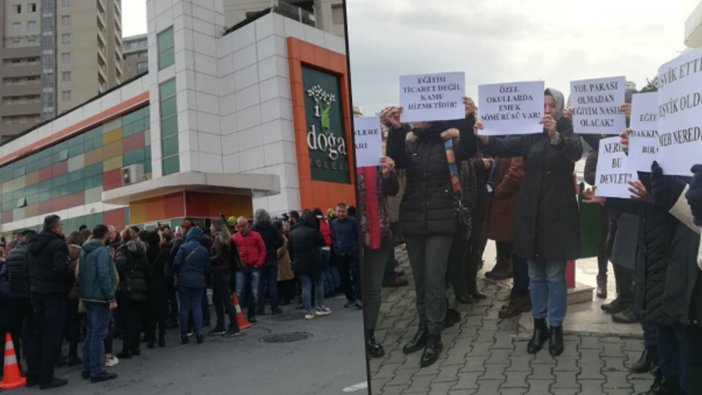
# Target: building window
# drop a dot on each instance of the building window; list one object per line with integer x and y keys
{"x": 16, "y": 27}
{"x": 169, "y": 127}
{"x": 32, "y": 42}
{"x": 142, "y": 67}
{"x": 66, "y": 57}
{"x": 16, "y": 43}
{"x": 65, "y": 20}
{"x": 66, "y": 95}
{"x": 65, "y": 39}
{"x": 338, "y": 14}
{"x": 66, "y": 3}
{"x": 31, "y": 26}
{"x": 166, "y": 54}
{"x": 66, "y": 76}
{"x": 16, "y": 8}
{"x": 32, "y": 7}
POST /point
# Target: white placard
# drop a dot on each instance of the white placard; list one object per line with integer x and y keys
{"x": 680, "y": 113}
{"x": 368, "y": 141}
{"x": 432, "y": 97}
{"x": 511, "y": 108}
{"x": 643, "y": 142}
{"x": 596, "y": 103}
{"x": 613, "y": 171}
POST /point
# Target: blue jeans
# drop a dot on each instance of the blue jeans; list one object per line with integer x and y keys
{"x": 307, "y": 280}
{"x": 247, "y": 281}
{"x": 97, "y": 319}
{"x": 549, "y": 294}
{"x": 190, "y": 303}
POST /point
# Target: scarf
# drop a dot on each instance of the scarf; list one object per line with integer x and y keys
{"x": 374, "y": 215}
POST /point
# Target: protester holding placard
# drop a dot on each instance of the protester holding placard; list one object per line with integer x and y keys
{"x": 547, "y": 231}
{"x": 374, "y": 184}
{"x": 693, "y": 335}
{"x": 430, "y": 152}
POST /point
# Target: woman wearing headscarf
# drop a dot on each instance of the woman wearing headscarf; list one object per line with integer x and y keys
{"x": 547, "y": 231}
{"x": 428, "y": 212}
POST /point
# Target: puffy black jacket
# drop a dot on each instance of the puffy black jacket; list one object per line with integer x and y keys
{"x": 547, "y": 224}
{"x": 18, "y": 271}
{"x": 682, "y": 279}
{"x": 132, "y": 266}
{"x": 49, "y": 265}
{"x": 428, "y": 204}
{"x": 271, "y": 238}
{"x": 306, "y": 244}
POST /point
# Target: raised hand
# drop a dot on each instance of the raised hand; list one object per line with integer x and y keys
{"x": 390, "y": 117}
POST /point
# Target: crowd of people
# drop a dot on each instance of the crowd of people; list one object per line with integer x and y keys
{"x": 457, "y": 189}
{"x": 97, "y": 286}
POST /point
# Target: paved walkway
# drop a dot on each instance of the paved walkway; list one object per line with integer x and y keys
{"x": 486, "y": 355}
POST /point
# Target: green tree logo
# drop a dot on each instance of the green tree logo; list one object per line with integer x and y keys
{"x": 322, "y": 105}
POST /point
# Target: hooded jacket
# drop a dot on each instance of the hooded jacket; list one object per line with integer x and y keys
{"x": 18, "y": 271}
{"x": 192, "y": 262}
{"x": 271, "y": 238}
{"x": 97, "y": 275}
{"x": 306, "y": 245}
{"x": 547, "y": 224}
{"x": 132, "y": 267}
{"x": 49, "y": 265}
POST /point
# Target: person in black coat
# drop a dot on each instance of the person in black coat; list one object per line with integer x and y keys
{"x": 157, "y": 291}
{"x": 428, "y": 213}
{"x": 20, "y": 306}
{"x": 50, "y": 280}
{"x": 547, "y": 230}
{"x": 306, "y": 244}
{"x": 269, "y": 273}
{"x": 132, "y": 267}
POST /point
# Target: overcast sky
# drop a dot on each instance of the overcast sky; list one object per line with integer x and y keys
{"x": 505, "y": 40}
{"x": 133, "y": 17}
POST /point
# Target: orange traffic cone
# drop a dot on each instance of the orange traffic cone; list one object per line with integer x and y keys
{"x": 11, "y": 377}
{"x": 240, "y": 320}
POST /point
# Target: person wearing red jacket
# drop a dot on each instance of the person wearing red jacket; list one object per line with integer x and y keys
{"x": 252, "y": 252}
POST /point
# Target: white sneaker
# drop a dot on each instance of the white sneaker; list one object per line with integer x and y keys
{"x": 322, "y": 311}
{"x": 111, "y": 362}
{"x": 309, "y": 316}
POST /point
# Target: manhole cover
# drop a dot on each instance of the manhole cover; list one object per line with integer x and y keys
{"x": 289, "y": 337}
{"x": 287, "y": 317}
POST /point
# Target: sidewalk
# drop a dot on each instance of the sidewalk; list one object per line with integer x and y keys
{"x": 486, "y": 355}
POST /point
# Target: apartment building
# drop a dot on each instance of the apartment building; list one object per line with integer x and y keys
{"x": 136, "y": 55}
{"x": 55, "y": 55}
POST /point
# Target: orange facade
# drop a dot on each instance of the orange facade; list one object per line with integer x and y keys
{"x": 315, "y": 193}
{"x": 188, "y": 204}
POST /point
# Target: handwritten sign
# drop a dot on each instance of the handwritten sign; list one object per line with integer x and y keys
{"x": 511, "y": 108}
{"x": 643, "y": 142}
{"x": 596, "y": 105}
{"x": 613, "y": 172}
{"x": 368, "y": 141}
{"x": 432, "y": 97}
{"x": 680, "y": 113}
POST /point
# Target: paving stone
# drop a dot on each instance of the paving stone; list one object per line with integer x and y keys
{"x": 377, "y": 385}
{"x": 402, "y": 377}
{"x": 419, "y": 384}
{"x": 591, "y": 386}
{"x": 505, "y": 342}
{"x": 516, "y": 380}
{"x": 520, "y": 363}
{"x": 495, "y": 372}
{"x": 387, "y": 370}
{"x": 541, "y": 372}
{"x": 590, "y": 342}
{"x": 543, "y": 357}
{"x": 614, "y": 364}
{"x": 616, "y": 380}
{"x": 566, "y": 364}
{"x": 591, "y": 371}
{"x": 498, "y": 357}
{"x": 565, "y": 391}
{"x": 473, "y": 364}
{"x": 467, "y": 380}
{"x": 488, "y": 386}
{"x": 539, "y": 387}
{"x": 565, "y": 380}
{"x": 480, "y": 350}
{"x": 512, "y": 391}
{"x": 612, "y": 350}
{"x": 394, "y": 389}
{"x": 447, "y": 374}
{"x": 440, "y": 388}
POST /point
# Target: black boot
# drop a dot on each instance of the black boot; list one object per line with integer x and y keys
{"x": 540, "y": 336}
{"x": 184, "y": 338}
{"x": 645, "y": 362}
{"x": 417, "y": 342}
{"x": 431, "y": 350}
{"x": 375, "y": 350}
{"x": 555, "y": 343}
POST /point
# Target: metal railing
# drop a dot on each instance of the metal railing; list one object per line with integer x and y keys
{"x": 294, "y": 12}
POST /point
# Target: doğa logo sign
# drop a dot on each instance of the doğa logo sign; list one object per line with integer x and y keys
{"x": 326, "y": 139}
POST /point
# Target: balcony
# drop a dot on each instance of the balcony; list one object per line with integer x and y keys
{"x": 693, "y": 28}
{"x": 24, "y": 52}
{"x": 294, "y": 12}
{"x": 21, "y": 71}
{"x": 20, "y": 90}
{"x": 21, "y": 109}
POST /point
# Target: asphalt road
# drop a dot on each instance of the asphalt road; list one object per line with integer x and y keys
{"x": 330, "y": 361}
